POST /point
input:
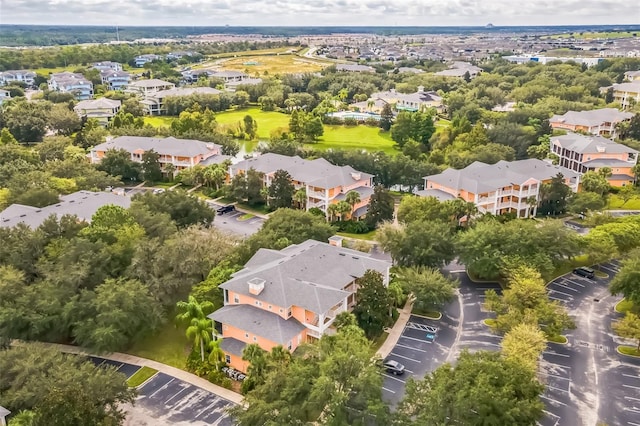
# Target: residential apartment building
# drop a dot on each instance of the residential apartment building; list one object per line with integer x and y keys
{"x": 179, "y": 153}
{"x": 289, "y": 297}
{"x": 598, "y": 122}
{"x": 115, "y": 80}
{"x": 146, "y": 88}
{"x": 460, "y": 69}
{"x": 102, "y": 109}
{"x": 632, "y": 75}
{"x": 324, "y": 183}
{"x": 154, "y": 102}
{"x": 626, "y": 94}
{"x": 355, "y": 68}
{"x": 591, "y": 153}
{"x": 107, "y": 65}
{"x": 5, "y": 95}
{"x": 501, "y": 188}
{"x": 70, "y": 82}
{"x": 20, "y": 76}
{"x": 140, "y": 60}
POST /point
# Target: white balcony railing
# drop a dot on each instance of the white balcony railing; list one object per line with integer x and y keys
{"x": 313, "y": 333}
{"x": 316, "y": 194}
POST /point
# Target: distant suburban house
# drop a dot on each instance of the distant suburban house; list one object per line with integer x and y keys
{"x": 460, "y": 69}
{"x": 632, "y": 75}
{"x": 599, "y": 122}
{"x": 500, "y": 188}
{"x": 83, "y": 204}
{"x": 591, "y": 153}
{"x": 289, "y": 297}
{"x": 149, "y": 87}
{"x": 154, "y": 102}
{"x": 5, "y": 95}
{"x": 417, "y": 101}
{"x": 20, "y": 76}
{"x": 70, "y": 82}
{"x": 3, "y": 416}
{"x": 115, "y": 80}
{"x": 229, "y": 75}
{"x": 626, "y": 94}
{"x": 181, "y": 54}
{"x": 179, "y": 153}
{"x": 232, "y": 86}
{"x": 324, "y": 183}
{"x": 140, "y": 60}
{"x": 107, "y": 65}
{"x": 407, "y": 70}
{"x": 355, "y": 68}
{"x": 102, "y": 109}
{"x": 191, "y": 76}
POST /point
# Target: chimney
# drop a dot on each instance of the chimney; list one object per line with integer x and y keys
{"x": 356, "y": 175}
{"x": 420, "y": 89}
{"x": 336, "y": 241}
{"x": 256, "y": 285}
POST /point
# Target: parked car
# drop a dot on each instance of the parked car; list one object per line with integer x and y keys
{"x": 226, "y": 209}
{"x": 583, "y": 271}
{"x": 393, "y": 367}
{"x": 158, "y": 191}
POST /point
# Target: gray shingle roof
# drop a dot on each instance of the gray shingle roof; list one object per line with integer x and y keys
{"x": 590, "y": 144}
{"x": 311, "y": 275}
{"x": 439, "y": 194}
{"x": 232, "y": 346}
{"x": 363, "y": 191}
{"x": 187, "y": 91}
{"x": 4, "y": 412}
{"x": 97, "y": 104}
{"x": 479, "y": 177}
{"x": 354, "y": 68}
{"x": 163, "y": 146}
{"x": 318, "y": 172}
{"x": 591, "y": 118}
{"x": 607, "y": 162}
{"x": 153, "y": 82}
{"x": 259, "y": 322}
{"x": 82, "y": 204}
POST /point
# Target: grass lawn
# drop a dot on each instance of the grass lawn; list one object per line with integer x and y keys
{"x": 369, "y": 236}
{"x": 259, "y": 209}
{"x": 568, "y": 266}
{"x": 141, "y": 376}
{"x": 245, "y": 217}
{"x": 426, "y": 313}
{"x": 274, "y": 64}
{"x": 356, "y": 137}
{"x": 490, "y": 322}
{"x": 624, "y": 306}
{"x": 629, "y": 350}
{"x": 616, "y": 203}
{"x": 158, "y": 121}
{"x": 595, "y": 35}
{"x": 46, "y": 71}
{"x": 557, "y": 339}
{"x": 267, "y": 121}
{"x": 376, "y": 344}
{"x": 168, "y": 346}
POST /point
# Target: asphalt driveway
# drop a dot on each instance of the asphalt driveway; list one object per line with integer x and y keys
{"x": 231, "y": 222}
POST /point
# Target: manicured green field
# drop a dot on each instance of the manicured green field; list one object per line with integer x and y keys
{"x": 595, "y": 35}
{"x": 268, "y": 121}
{"x": 617, "y": 203}
{"x": 158, "y": 121}
{"x": 356, "y": 137}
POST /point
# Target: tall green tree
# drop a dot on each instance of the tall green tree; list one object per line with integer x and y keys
{"x": 626, "y": 280}
{"x": 119, "y": 163}
{"x": 373, "y": 304}
{"x": 430, "y": 288}
{"x": 483, "y": 388}
{"x": 595, "y": 182}
{"x": 629, "y": 327}
{"x": 61, "y": 389}
{"x": 554, "y": 196}
{"x": 523, "y": 344}
{"x": 151, "y": 170}
{"x": 381, "y": 206}
{"x": 281, "y": 190}
{"x": 386, "y": 117}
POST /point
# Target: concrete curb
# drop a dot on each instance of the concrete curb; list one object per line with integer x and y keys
{"x": 623, "y": 354}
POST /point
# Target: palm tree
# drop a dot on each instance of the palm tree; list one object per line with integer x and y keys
{"x": 352, "y": 198}
{"x": 343, "y": 208}
{"x": 192, "y": 309}
{"x": 216, "y": 354}
{"x": 333, "y": 211}
{"x": 170, "y": 170}
{"x": 200, "y": 332}
{"x": 24, "y": 418}
{"x": 300, "y": 197}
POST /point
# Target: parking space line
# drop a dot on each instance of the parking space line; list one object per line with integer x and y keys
{"x": 177, "y": 393}
{"x": 394, "y": 378}
{"x": 554, "y": 375}
{"x": 406, "y": 357}
{"x": 558, "y": 389}
{"x": 553, "y": 400}
{"x": 633, "y": 376}
{"x": 161, "y": 388}
{"x": 555, "y": 353}
{"x": 633, "y": 424}
{"x": 564, "y": 286}
{"x": 574, "y": 282}
{"x": 413, "y": 338}
{"x": 632, "y": 409}
{"x": 409, "y": 347}
{"x": 632, "y": 387}
{"x": 555, "y": 298}
{"x": 205, "y": 409}
{"x": 560, "y": 292}
{"x": 408, "y": 371}
{"x": 632, "y": 398}
{"x": 615, "y": 271}
{"x": 388, "y": 390}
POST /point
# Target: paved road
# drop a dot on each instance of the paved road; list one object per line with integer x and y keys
{"x": 164, "y": 400}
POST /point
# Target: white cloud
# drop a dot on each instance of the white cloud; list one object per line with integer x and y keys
{"x": 318, "y": 12}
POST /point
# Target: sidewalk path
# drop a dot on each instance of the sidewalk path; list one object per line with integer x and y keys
{"x": 163, "y": 368}
{"x": 396, "y": 331}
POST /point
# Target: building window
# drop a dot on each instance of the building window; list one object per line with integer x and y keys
{"x": 289, "y": 313}
{"x": 227, "y": 359}
{"x": 289, "y": 345}
{"x": 269, "y": 307}
{"x": 236, "y": 298}
{"x": 255, "y": 339}
{"x": 246, "y": 335}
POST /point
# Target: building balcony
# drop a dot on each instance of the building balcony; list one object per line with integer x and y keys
{"x": 316, "y": 194}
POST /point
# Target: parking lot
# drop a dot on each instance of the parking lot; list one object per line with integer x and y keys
{"x": 231, "y": 221}
{"x": 167, "y": 401}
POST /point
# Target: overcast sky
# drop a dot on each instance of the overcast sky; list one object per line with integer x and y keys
{"x": 319, "y": 12}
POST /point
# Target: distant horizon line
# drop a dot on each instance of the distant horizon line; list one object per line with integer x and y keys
{"x": 325, "y": 26}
